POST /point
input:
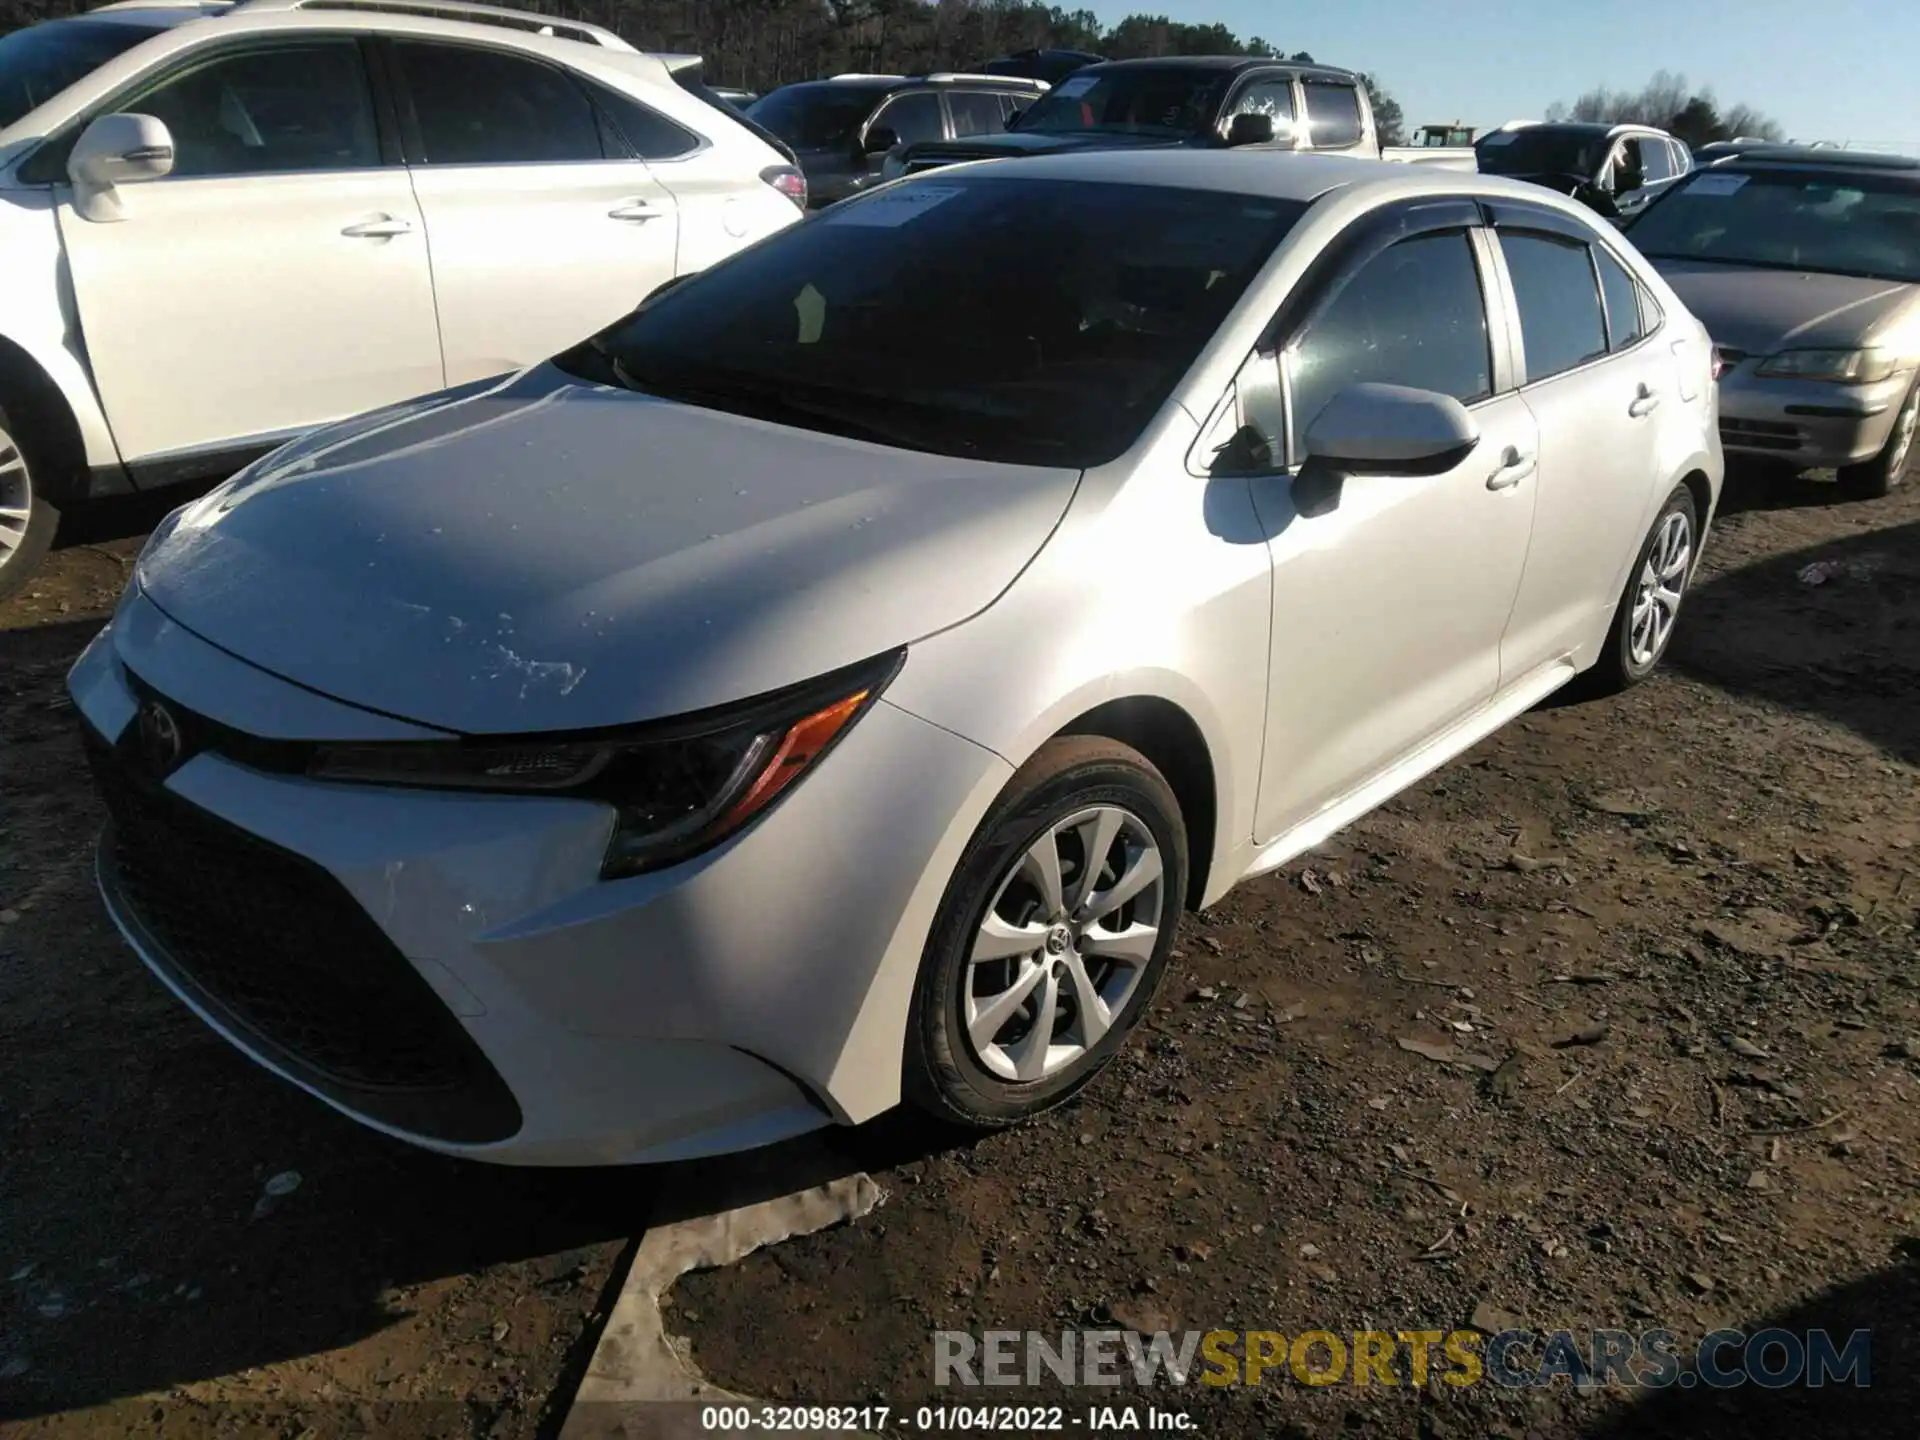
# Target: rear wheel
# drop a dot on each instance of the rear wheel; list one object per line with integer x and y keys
{"x": 1051, "y": 938}
{"x": 1649, "y": 607}
{"x": 27, "y": 521}
{"x": 1875, "y": 478}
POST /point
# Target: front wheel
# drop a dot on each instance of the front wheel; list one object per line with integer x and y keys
{"x": 27, "y": 521}
{"x": 1876, "y": 478}
{"x": 1649, "y": 607}
{"x": 1051, "y": 938}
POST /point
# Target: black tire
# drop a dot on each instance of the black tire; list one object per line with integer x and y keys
{"x": 1617, "y": 668}
{"x": 22, "y": 545}
{"x": 1877, "y": 478}
{"x": 944, "y": 1073}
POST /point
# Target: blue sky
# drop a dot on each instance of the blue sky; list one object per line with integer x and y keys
{"x": 1829, "y": 70}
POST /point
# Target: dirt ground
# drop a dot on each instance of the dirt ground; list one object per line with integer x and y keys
{"x": 1657, "y": 955}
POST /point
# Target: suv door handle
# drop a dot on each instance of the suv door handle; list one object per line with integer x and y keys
{"x": 384, "y": 228}
{"x": 1645, "y": 403}
{"x": 633, "y": 210}
{"x": 1514, "y": 467}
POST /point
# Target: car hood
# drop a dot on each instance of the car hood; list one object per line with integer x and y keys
{"x": 1761, "y": 311}
{"x": 1036, "y": 142}
{"x": 548, "y": 554}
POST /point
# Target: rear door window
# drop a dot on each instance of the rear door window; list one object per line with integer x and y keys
{"x": 1562, "y": 323}
{"x": 975, "y": 112}
{"x": 474, "y": 106}
{"x": 1657, "y": 156}
{"x": 1333, "y": 114}
{"x": 1622, "y": 296}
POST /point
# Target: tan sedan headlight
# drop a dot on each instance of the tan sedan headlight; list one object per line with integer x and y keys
{"x": 1843, "y": 367}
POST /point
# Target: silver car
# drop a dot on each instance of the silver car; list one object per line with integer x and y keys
{"x": 829, "y": 685}
{"x": 1804, "y": 265}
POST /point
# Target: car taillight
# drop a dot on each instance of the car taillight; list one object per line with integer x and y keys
{"x": 1720, "y": 363}
{"x": 788, "y": 181}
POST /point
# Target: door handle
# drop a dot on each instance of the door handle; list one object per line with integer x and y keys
{"x": 633, "y": 210}
{"x": 385, "y": 228}
{"x": 1645, "y": 403}
{"x": 1514, "y": 467}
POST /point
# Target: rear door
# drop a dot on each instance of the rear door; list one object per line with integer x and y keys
{"x": 975, "y": 112}
{"x": 277, "y": 279}
{"x": 1596, "y": 376}
{"x": 544, "y": 222}
{"x": 1337, "y": 115}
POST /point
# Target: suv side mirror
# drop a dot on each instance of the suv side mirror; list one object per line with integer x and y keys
{"x": 116, "y": 150}
{"x": 1250, "y": 129}
{"x": 1013, "y": 117}
{"x": 879, "y": 140}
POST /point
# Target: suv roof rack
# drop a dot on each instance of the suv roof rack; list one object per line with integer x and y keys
{"x": 459, "y": 10}
{"x": 212, "y": 7}
{"x": 863, "y": 75}
{"x": 1027, "y": 80}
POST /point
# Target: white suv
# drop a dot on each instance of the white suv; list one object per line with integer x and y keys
{"x": 223, "y": 224}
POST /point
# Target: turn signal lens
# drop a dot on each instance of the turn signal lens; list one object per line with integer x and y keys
{"x": 801, "y": 746}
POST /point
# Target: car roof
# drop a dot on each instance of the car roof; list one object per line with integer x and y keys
{"x": 1222, "y": 63}
{"x": 1277, "y": 175}
{"x": 1819, "y": 157}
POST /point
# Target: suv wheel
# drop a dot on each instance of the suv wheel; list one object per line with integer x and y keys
{"x": 27, "y": 521}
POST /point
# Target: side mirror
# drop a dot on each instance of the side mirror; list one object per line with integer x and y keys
{"x": 1374, "y": 429}
{"x": 116, "y": 150}
{"x": 879, "y": 140}
{"x": 1250, "y": 129}
{"x": 1013, "y": 118}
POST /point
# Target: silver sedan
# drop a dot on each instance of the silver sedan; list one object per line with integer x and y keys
{"x": 1804, "y": 264}
{"x": 829, "y": 685}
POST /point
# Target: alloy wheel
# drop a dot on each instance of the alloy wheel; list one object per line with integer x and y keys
{"x": 1062, "y": 948}
{"x": 16, "y": 498}
{"x": 1663, "y": 581}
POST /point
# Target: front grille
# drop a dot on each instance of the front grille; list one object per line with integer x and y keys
{"x": 1759, "y": 434}
{"x": 276, "y": 949}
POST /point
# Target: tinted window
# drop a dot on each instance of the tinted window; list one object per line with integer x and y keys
{"x": 1841, "y": 224}
{"x": 912, "y": 118}
{"x": 1622, "y": 295}
{"x": 984, "y": 316}
{"x": 1273, "y": 98}
{"x": 1541, "y": 150}
{"x": 821, "y": 115}
{"x": 484, "y": 107}
{"x": 1561, "y": 323}
{"x": 1413, "y": 315}
{"x": 296, "y": 107}
{"x": 39, "y": 62}
{"x": 1146, "y": 101}
{"x": 641, "y": 132}
{"x": 1657, "y": 157}
{"x": 975, "y": 112}
{"x": 1333, "y": 113}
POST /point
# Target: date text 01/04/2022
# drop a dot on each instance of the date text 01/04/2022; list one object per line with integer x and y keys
{"x": 946, "y": 1419}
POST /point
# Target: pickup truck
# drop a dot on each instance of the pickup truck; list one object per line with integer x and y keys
{"x": 1187, "y": 101}
{"x": 1448, "y": 146}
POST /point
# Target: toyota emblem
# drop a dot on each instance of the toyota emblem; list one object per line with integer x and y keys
{"x": 161, "y": 743}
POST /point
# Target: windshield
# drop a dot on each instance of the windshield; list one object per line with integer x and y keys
{"x": 1866, "y": 225}
{"x": 1541, "y": 150}
{"x": 1173, "y": 101}
{"x": 39, "y": 62}
{"x": 1031, "y": 321}
{"x": 815, "y": 117}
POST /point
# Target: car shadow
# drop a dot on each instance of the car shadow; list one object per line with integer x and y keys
{"x": 1885, "y": 1303}
{"x": 1832, "y": 630}
{"x": 1755, "y": 488}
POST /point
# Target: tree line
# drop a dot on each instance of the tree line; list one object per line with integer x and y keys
{"x": 760, "y": 44}
{"x": 1669, "y": 103}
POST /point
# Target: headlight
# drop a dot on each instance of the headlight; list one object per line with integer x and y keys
{"x": 1844, "y": 367}
{"x": 678, "y": 787}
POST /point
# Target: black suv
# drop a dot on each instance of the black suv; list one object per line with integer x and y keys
{"x": 1190, "y": 100}
{"x": 841, "y": 128}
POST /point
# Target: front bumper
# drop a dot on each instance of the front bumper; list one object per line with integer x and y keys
{"x": 1811, "y": 424}
{"x": 449, "y": 969}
